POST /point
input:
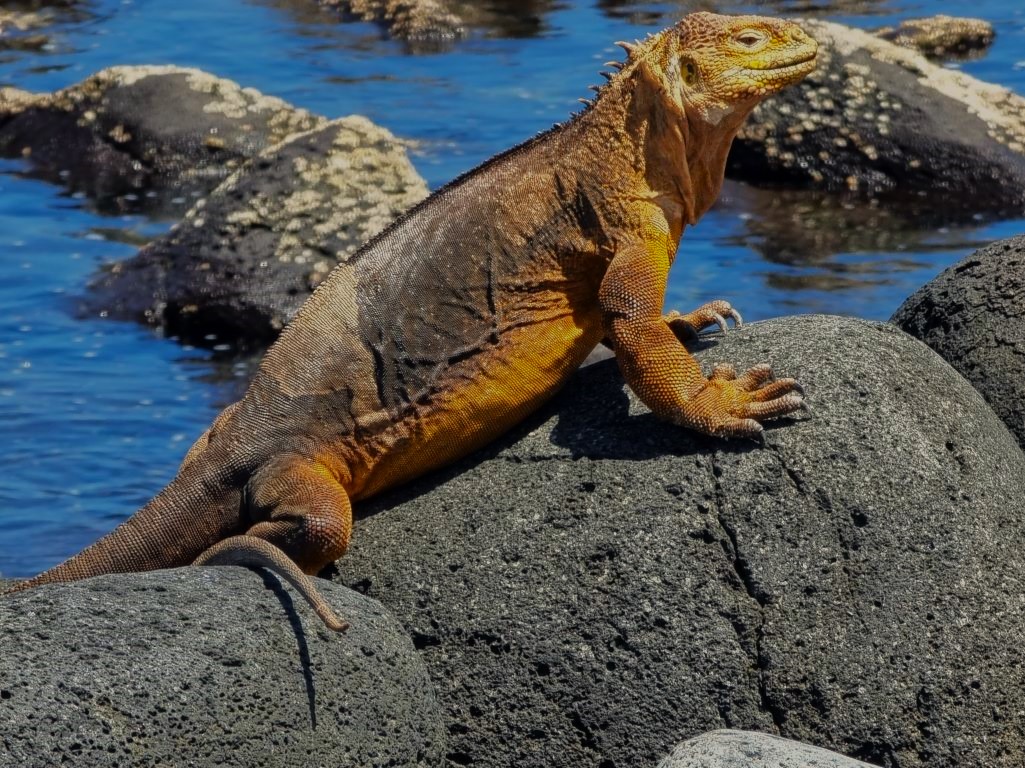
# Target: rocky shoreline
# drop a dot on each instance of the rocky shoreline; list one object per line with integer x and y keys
{"x": 598, "y": 586}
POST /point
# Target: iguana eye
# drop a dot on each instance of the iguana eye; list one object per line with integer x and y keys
{"x": 749, "y": 38}
{"x": 690, "y": 72}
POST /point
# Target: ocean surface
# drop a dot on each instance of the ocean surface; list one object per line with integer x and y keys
{"x": 95, "y": 415}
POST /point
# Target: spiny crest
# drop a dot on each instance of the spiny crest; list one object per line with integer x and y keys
{"x": 632, "y": 51}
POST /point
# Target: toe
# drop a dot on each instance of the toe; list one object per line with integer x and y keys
{"x": 773, "y": 409}
{"x": 776, "y": 389}
{"x": 754, "y": 377}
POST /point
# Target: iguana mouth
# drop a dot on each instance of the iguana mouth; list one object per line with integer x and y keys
{"x": 784, "y": 73}
{"x": 796, "y": 63}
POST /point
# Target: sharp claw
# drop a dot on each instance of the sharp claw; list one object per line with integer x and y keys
{"x": 720, "y": 321}
{"x": 738, "y": 321}
{"x": 759, "y": 437}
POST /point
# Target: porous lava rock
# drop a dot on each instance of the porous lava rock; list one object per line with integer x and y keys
{"x": 243, "y": 260}
{"x": 973, "y": 315}
{"x": 733, "y": 749}
{"x": 212, "y": 666}
{"x": 599, "y": 585}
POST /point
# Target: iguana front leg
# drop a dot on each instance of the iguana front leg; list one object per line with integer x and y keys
{"x": 688, "y": 326}
{"x": 662, "y": 373}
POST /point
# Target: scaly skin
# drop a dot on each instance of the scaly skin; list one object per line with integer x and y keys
{"x": 474, "y": 308}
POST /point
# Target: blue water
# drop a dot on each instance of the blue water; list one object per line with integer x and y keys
{"x": 96, "y": 415}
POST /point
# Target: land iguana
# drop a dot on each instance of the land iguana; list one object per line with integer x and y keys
{"x": 473, "y": 308}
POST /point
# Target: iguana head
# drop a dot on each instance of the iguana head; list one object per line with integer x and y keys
{"x": 713, "y": 67}
{"x": 683, "y": 94}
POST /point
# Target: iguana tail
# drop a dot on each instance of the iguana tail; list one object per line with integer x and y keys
{"x": 195, "y": 519}
{"x": 199, "y": 508}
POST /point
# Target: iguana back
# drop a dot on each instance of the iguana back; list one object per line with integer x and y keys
{"x": 474, "y": 307}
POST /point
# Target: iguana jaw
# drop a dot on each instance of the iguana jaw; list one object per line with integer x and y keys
{"x": 774, "y": 79}
{"x": 787, "y": 72}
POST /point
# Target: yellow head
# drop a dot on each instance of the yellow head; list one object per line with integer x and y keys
{"x": 714, "y": 66}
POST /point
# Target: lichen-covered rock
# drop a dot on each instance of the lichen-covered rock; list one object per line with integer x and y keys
{"x": 134, "y": 132}
{"x": 242, "y": 261}
{"x": 429, "y": 25}
{"x": 743, "y": 749}
{"x": 878, "y": 120}
{"x": 941, "y": 36}
{"x": 601, "y": 584}
{"x": 973, "y": 315}
{"x": 417, "y": 21}
{"x": 207, "y": 667}
{"x": 20, "y": 29}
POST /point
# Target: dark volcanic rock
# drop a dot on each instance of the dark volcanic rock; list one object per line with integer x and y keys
{"x": 973, "y": 315}
{"x": 601, "y": 585}
{"x": 207, "y": 667}
{"x": 126, "y": 131}
{"x": 242, "y": 261}
{"x": 736, "y": 749}
{"x": 878, "y": 120}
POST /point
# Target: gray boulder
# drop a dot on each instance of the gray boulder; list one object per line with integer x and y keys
{"x": 143, "y": 137}
{"x": 599, "y": 583}
{"x": 878, "y": 120}
{"x": 741, "y": 749}
{"x": 242, "y": 261}
{"x": 973, "y": 315}
{"x": 207, "y": 667}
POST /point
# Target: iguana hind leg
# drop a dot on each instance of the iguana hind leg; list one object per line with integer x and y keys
{"x": 297, "y": 505}
{"x": 301, "y": 520}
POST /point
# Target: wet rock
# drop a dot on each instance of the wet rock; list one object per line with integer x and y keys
{"x": 242, "y": 261}
{"x": 942, "y": 37}
{"x": 429, "y": 25}
{"x": 972, "y": 315}
{"x": 876, "y": 120}
{"x": 127, "y": 134}
{"x": 731, "y": 749}
{"x": 19, "y": 30}
{"x": 424, "y": 21}
{"x": 207, "y": 667}
{"x": 600, "y": 584}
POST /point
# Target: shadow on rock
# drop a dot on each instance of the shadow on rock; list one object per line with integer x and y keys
{"x": 576, "y": 604}
{"x": 200, "y": 666}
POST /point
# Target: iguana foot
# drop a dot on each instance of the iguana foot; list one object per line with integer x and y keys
{"x": 688, "y": 326}
{"x": 732, "y": 406}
